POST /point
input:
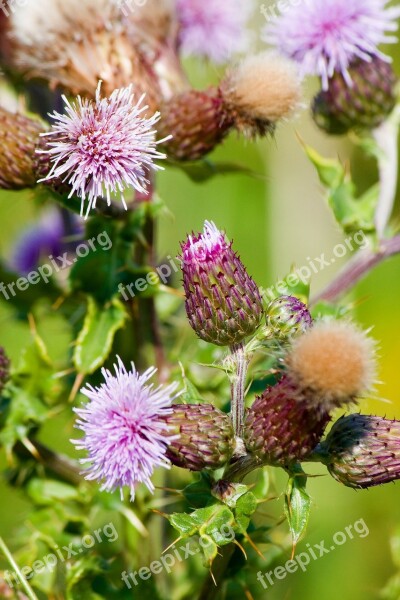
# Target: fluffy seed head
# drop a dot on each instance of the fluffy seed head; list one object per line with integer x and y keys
{"x": 103, "y": 146}
{"x": 334, "y": 360}
{"x": 262, "y": 89}
{"x": 124, "y": 432}
{"x": 214, "y": 29}
{"x": 223, "y": 303}
{"x": 326, "y": 36}
{"x": 76, "y": 43}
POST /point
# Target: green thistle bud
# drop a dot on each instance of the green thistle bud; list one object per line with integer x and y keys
{"x": 4, "y": 369}
{"x": 19, "y": 137}
{"x": 282, "y": 426}
{"x": 364, "y": 105}
{"x": 287, "y": 316}
{"x": 206, "y": 439}
{"x": 223, "y": 303}
{"x": 361, "y": 451}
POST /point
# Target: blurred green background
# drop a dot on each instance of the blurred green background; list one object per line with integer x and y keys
{"x": 277, "y": 219}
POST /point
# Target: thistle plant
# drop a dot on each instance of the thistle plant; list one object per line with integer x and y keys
{"x": 163, "y": 399}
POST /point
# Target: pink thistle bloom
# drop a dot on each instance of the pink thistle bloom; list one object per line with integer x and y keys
{"x": 214, "y": 29}
{"x": 326, "y": 36}
{"x": 125, "y": 434}
{"x": 103, "y": 146}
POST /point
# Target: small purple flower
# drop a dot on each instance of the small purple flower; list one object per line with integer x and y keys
{"x": 103, "y": 146}
{"x": 124, "y": 428}
{"x": 214, "y": 29}
{"x": 325, "y": 36}
{"x": 43, "y": 239}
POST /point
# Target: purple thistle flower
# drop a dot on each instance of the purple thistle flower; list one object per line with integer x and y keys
{"x": 106, "y": 145}
{"x": 214, "y": 29}
{"x": 326, "y": 36}
{"x": 41, "y": 240}
{"x": 124, "y": 428}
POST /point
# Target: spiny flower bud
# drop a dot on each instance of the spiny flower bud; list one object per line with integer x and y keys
{"x": 364, "y": 104}
{"x": 252, "y": 98}
{"x": 334, "y": 362}
{"x": 223, "y": 303}
{"x": 4, "y": 368}
{"x": 282, "y": 426}
{"x": 197, "y": 121}
{"x": 19, "y": 137}
{"x": 287, "y": 316}
{"x": 361, "y": 451}
{"x": 204, "y": 437}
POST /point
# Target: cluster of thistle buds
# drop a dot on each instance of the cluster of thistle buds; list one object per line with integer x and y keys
{"x": 322, "y": 365}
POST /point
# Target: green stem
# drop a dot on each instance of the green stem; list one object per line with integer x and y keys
{"x": 238, "y": 382}
{"x": 212, "y": 584}
{"x": 29, "y": 592}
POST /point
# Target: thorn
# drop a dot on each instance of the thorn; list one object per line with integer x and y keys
{"x": 241, "y": 548}
{"x": 252, "y": 544}
{"x": 173, "y": 544}
{"x": 75, "y": 388}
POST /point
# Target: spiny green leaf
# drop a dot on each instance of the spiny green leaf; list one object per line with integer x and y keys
{"x": 95, "y": 340}
{"x": 297, "y": 506}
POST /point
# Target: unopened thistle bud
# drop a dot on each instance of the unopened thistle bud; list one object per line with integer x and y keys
{"x": 364, "y": 104}
{"x": 282, "y": 426}
{"x": 361, "y": 451}
{"x": 329, "y": 366}
{"x": 19, "y": 137}
{"x": 204, "y": 437}
{"x": 287, "y": 316}
{"x": 223, "y": 303}
{"x": 252, "y": 98}
{"x": 4, "y": 368}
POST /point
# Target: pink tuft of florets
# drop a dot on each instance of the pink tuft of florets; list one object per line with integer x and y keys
{"x": 103, "y": 146}
{"x": 214, "y": 29}
{"x": 326, "y": 36}
{"x": 124, "y": 428}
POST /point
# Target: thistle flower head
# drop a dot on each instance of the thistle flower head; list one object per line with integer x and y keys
{"x": 324, "y": 37}
{"x": 124, "y": 432}
{"x": 214, "y": 29}
{"x": 74, "y": 44}
{"x": 361, "y": 451}
{"x": 103, "y": 146}
{"x": 223, "y": 303}
{"x": 334, "y": 361}
{"x": 205, "y": 246}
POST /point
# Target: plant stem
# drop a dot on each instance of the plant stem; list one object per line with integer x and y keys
{"x": 357, "y": 268}
{"x": 63, "y": 466}
{"x": 28, "y": 590}
{"x": 386, "y": 137}
{"x": 238, "y": 382}
{"x": 212, "y": 584}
